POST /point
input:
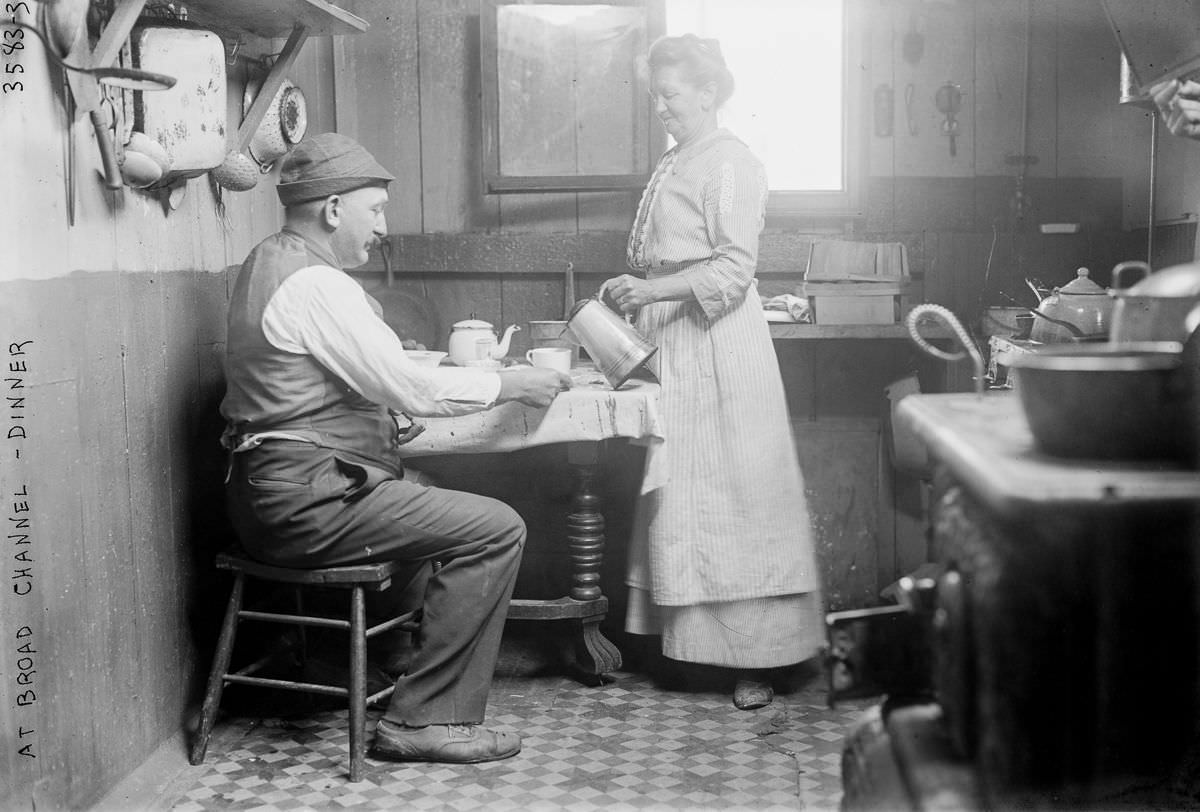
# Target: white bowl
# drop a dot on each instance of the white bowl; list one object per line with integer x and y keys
{"x": 425, "y": 358}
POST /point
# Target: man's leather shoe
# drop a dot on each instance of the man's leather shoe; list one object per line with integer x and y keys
{"x": 452, "y": 744}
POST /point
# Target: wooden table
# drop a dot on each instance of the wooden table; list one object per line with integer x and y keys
{"x": 580, "y": 418}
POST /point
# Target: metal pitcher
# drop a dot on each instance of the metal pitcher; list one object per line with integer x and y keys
{"x": 617, "y": 349}
{"x": 1157, "y": 307}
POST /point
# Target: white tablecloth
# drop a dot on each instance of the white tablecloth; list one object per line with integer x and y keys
{"x": 589, "y": 412}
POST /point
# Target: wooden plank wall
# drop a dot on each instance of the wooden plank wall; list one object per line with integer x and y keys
{"x": 125, "y": 311}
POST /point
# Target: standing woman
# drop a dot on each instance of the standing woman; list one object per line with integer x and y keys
{"x": 721, "y": 559}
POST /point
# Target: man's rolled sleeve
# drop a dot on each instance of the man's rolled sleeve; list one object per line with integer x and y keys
{"x": 322, "y": 312}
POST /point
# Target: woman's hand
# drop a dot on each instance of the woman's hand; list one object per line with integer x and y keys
{"x": 628, "y": 292}
{"x": 1179, "y": 103}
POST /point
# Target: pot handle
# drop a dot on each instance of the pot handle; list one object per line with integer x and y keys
{"x": 1120, "y": 268}
{"x": 1075, "y": 332}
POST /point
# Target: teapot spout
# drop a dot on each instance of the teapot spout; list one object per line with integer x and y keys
{"x": 501, "y": 349}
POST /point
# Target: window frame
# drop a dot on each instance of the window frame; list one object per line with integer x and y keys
{"x": 494, "y": 181}
{"x": 850, "y": 201}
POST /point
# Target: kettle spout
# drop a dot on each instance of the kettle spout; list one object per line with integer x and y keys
{"x": 501, "y": 349}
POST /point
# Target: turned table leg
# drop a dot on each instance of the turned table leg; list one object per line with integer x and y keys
{"x": 585, "y": 522}
{"x": 585, "y": 537}
{"x": 584, "y": 604}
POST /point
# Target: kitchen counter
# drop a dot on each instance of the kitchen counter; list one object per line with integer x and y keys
{"x": 986, "y": 444}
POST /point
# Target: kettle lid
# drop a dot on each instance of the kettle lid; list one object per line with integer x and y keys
{"x": 1082, "y": 284}
{"x": 471, "y": 324}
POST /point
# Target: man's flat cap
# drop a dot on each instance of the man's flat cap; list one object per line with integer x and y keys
{"x": 324, "y": 165}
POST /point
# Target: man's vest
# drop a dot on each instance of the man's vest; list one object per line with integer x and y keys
{"x": 269, "y": 389}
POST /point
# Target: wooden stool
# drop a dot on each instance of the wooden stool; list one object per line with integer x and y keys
{"x": 357, "y": 578}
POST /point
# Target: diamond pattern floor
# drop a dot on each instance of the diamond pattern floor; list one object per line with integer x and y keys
{"x": 625, "y": 745}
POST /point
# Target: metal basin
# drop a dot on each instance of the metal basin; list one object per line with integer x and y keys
{"x": 1127, "y": 401}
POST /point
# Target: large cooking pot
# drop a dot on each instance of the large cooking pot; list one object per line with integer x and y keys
{"x": 1078, "y": 310}
{"x": 1108, "y": 401}
{"x": 1156, "y": 308}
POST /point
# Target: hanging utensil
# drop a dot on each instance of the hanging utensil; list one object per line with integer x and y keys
{"x": 910, "y": 95}
{"x": 949, "y": 102}
{"x": 64, "y": 22}
{"x": 284, "y": 123}
{"x": 412, "y": 318}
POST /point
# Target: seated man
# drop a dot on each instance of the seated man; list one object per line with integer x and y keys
{"x": 314, "y": 378}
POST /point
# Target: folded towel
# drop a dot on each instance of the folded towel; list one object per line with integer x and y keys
{"x": 795, "y": 306}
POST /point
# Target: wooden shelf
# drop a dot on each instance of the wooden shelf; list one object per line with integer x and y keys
{"x": 785, "y": 330}
{"x": 274, "y": 19}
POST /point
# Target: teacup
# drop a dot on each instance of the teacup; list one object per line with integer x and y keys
{"x": 557, "y": 358}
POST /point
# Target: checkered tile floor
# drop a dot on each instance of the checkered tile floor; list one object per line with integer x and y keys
{"x": 628, "y": 744}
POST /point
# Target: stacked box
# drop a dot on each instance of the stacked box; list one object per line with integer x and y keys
{"x": 859, "y": 283}
{"x": 886, "y": 301}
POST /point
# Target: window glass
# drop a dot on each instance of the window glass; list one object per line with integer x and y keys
{"x": 787, "y": 58}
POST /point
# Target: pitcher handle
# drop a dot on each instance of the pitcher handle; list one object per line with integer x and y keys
{"x": 1120, "y": 268}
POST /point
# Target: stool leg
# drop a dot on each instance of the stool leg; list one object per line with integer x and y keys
{"x": 216, "y": 677}
{"x": 358, "y": 682}
{"x": 301, "y": 630}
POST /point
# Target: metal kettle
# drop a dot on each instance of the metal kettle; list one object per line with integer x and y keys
{"x": 474, "y": 340}
{"x": 1079, "y": 310}
{"x": 617, "y": 349}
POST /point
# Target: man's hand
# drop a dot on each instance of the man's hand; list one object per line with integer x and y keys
{"x": 532, "y": 386}
{"x": 1179, "y": 103}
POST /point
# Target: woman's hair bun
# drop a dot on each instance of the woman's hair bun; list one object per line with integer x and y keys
{"x": 713, "y": 46}
{"x": 702, "y": 57}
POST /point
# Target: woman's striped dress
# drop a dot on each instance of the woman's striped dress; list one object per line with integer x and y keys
{"x": 722, "y": 562}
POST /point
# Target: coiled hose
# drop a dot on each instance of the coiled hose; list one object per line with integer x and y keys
{"x": 938, "y": 313}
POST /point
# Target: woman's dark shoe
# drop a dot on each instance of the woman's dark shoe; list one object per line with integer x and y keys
{"x": 451, "y": 744}
{"x": 750, "y": 693}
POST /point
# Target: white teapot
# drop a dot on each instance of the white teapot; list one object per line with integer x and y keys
{"x": 475, "y": 340}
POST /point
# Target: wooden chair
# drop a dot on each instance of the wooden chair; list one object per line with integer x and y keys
{"x": 358, "y": 579}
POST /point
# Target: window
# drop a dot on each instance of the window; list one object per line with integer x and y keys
{"x": 797, "y": 92}
{"x": 564, "y": 106}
